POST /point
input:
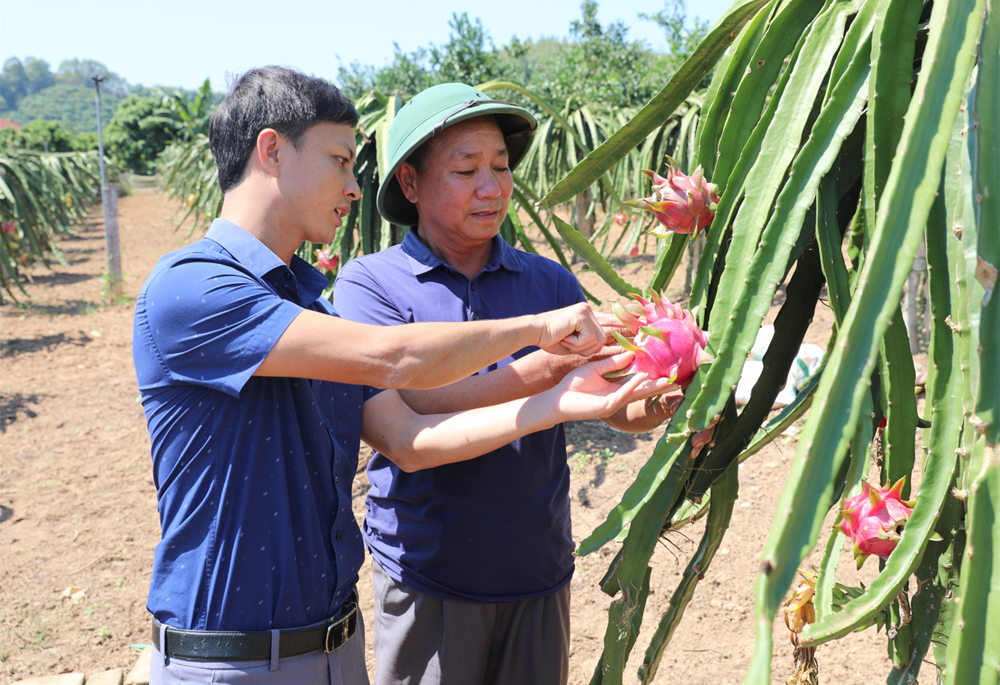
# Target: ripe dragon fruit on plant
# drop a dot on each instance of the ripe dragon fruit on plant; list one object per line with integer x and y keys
{"x": 681, "y": 203}
{"x": 667, "y": 342}
{"x": 875, "y": 520}
{"x": 326, "y": 259}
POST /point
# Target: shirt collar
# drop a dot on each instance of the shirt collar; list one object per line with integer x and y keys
{"x": 422, "y": 259}
{"x": 260, "y": 261}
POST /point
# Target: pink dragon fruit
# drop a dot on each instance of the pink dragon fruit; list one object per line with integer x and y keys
{"x": 681, "y": 203}
{"x": 666, "y": 340}
{"x": 326, "y": 259}
{"x": 875, "y": 520}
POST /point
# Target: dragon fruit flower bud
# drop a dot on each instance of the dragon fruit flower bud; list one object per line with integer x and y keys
{"x": 327, "y": 259}
{"x": 667, "y": 342}
{"x": 628, "y": 316}
{"x": 875, "y": 520}
{"x": 681, "y": 203}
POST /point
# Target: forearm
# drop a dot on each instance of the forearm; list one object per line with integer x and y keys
{"x": 421, "y": 355}
{"x": 529, "y": 375}
{"x": 415, "y": 441}
{"x": 431, "y": 355}
{"x": 419, "y": 442}
{"x": 638, "y": 417}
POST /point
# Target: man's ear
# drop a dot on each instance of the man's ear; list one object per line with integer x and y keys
{"x": 269, "y": 151}
{"x": 406, "y": 175}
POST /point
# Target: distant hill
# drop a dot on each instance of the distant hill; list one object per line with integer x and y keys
{"x": 73, "y": 106}
{"x": 30, "y": 90}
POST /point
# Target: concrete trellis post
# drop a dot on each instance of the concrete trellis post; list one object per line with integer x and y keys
{"x": 109, "y": 200}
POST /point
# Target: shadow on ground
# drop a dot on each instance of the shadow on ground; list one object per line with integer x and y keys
{"x": 13, "y": 404}
{"x": 40, "y": 343}
{"x": 65, "y": 307}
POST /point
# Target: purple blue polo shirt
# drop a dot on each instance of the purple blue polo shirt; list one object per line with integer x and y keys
{"x": 491, "y": 529}
{"x": 253, "y": 474}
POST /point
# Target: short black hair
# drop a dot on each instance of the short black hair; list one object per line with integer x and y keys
{"x": 270, "y": 97}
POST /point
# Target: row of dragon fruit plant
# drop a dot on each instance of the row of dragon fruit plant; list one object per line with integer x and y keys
{"x": 865, "y": 124}
{"x": 42, "y": 196}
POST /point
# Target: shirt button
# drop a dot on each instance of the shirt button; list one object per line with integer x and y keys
{"x": 472, "y": 286}
{"x": 475, "y": 317}
{"x": 340, "y": 534}
{"x": 288, "y": 276}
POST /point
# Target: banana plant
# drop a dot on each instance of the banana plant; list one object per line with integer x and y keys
{"x": 870, "y": 123}
{"x": 187, "y": 118}
{"x": 42, "y": 196}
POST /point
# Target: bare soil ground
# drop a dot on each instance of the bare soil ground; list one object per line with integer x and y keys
{"x": 79, "y": 508}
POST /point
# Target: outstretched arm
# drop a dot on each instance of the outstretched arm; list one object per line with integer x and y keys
{"x": 524, "y": 377}
{"x": 414, "y": 441}
{"x": 529, "y": 375}
{"x": 422, "y": 355}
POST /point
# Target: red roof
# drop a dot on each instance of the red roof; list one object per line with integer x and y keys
{"x": 4, "y": 123}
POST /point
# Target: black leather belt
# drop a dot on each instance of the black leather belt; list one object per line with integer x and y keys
{"x": 208, "y": 645}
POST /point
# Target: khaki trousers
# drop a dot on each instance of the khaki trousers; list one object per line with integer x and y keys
{"x": 423, "y": 640}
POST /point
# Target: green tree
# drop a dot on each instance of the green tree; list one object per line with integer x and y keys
{"x": 78, "y": 72}
{"x": 48, "y": 136}
{"x": 137, "y": 134}
{"x": 469, "y": 56}
{"x": 38, "y": 74}
{"x": 85, "y": 142}
{"x": 600, "y": 65}
{"x": 13, "y": 82}
{"x": 41, "y": 135}
{"x": 681, "y": 40}
{"x": 407, "y": 74}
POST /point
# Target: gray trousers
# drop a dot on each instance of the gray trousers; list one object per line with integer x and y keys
{"x": 343, "y": 666}
{"x": 423, "y": 640}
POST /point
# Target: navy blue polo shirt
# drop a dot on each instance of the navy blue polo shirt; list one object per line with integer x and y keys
{"x": 253, "y": 474}
{"x": 491, "y": 529}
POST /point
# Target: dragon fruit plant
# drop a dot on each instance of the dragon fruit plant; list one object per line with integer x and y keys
{"x": 875, "y": 520}
{"x": 839, "y": 136}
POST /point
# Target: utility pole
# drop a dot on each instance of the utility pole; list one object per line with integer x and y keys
{"x": 109, "y": 197}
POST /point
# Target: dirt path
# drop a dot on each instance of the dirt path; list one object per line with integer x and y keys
{"x": 79, "y": 507}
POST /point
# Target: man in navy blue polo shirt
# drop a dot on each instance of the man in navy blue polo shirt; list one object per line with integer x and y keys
{"x": 252, "y": 388}
{"x": 472, "y": 560}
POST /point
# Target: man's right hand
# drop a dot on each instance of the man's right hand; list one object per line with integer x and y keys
{"x": 571, "y": 330}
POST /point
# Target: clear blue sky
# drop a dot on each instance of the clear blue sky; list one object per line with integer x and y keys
{"x": 180, "y": 42}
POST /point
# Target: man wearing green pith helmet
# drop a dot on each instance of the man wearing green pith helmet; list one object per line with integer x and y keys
{"x": 472, "y": 561}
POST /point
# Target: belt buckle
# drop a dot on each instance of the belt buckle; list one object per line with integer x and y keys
{"x": 344, "y": 625}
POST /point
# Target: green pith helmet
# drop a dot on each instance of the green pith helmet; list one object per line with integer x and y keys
{"x": 427, "y": 114}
